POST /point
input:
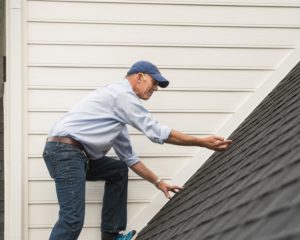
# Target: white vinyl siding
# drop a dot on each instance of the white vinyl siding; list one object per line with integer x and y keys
{"x": 215, "y": 54}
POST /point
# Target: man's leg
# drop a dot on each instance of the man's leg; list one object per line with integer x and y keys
{"x": 114, "y": 210}
{"x": 67, "y": 165}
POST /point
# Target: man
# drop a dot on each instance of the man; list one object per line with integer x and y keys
{"x": 77, "y": 145}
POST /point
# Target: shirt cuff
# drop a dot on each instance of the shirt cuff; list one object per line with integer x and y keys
{"x": 165, "y": 133}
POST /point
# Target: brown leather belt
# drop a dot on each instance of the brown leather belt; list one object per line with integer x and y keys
{"x": 66, "y": 140}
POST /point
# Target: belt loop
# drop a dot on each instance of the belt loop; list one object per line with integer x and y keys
{"x": 58, "y": 142}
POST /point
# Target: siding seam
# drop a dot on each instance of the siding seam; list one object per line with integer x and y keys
{"x": 168, "y": 45}
{"x": 185, "y": 67}
{"x": 164, "y": 23}
{"x": 279, "y": 4}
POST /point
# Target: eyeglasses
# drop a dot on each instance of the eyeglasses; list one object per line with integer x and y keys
{"x": 154, "y": 82}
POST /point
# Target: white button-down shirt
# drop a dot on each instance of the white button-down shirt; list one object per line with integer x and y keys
{"x": 99, "y": 122}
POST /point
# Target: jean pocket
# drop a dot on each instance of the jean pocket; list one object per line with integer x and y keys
{"x": 71, "y": 165}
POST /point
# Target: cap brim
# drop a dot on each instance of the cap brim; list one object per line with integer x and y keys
{"x": 162, "y": 82}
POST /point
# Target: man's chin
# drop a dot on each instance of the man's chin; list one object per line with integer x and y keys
{"x": 146, "y": 98}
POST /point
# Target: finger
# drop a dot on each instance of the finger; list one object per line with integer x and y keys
{"x": 167, "y": 194}
{"x": 219, "y": 143}
{"x": 219, "y": 138}
{"x": 225, "y": 144}
{"x": 222, "y": 147}
{"x": 175, "y": 188}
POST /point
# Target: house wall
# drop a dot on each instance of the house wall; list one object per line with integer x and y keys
{"x": 215, "y": 53}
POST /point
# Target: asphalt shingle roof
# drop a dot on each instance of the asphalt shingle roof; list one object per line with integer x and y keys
{"x": 249, "y": 192}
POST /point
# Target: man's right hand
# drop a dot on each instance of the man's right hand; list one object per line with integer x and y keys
{"x": 212, "y": 142}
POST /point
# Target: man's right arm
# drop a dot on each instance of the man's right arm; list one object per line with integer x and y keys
{"x": 212, "y": 142}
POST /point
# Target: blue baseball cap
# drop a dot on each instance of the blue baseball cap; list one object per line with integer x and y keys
{"x": 151, "y": 69}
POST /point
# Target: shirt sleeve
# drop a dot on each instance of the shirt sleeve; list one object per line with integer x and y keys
{"x": 123, "y": 148}
{"x": 131, "y": 111}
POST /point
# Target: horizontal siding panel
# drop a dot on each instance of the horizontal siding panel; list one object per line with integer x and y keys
{"x": 141, "y": 144}
{"x": 181, "y": 35}
{"x": 173, "y": 56}
{"x": 44, "y": 233}
{"x": 137, "y": 190}
{"x": 90, "y": 232}
{"x": 162, "y": 166}
{"x": 152, "y": 13}
{"x": 201, "y": 122}
{"x": 64, "y": 99}
{"x": 188, "y": 78}
{"x": 46, "y": 214}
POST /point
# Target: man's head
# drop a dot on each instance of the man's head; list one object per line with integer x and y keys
{"x": 144, "y": 78}
{"x": 150, "y": 69}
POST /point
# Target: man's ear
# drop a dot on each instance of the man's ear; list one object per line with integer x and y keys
{"x": 140, "y": 77}
{"x": 139, "y": 80}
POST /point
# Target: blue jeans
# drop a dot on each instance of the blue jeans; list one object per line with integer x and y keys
{"x": 70, "y": 168}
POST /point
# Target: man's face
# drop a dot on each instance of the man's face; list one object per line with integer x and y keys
{"x": 146, "y": 86}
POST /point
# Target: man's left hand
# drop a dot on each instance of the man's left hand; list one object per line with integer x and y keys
{"x": 166, "y": 188}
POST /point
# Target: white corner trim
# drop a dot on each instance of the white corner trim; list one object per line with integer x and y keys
{"x": 203, "y": 154}
{"x": 13, "y": 115}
